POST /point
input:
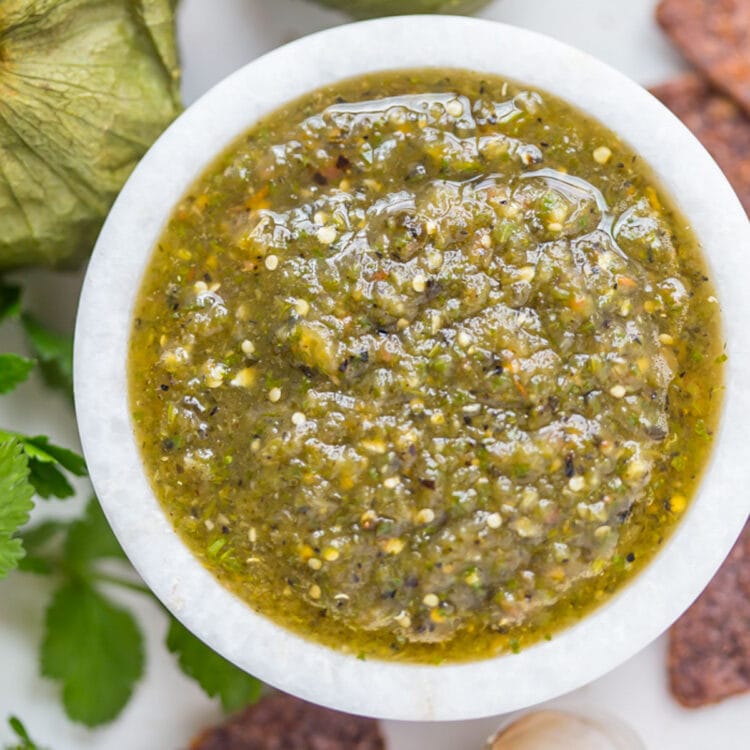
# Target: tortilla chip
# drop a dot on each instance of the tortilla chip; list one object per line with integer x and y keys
{"x": 709, "y": 646}
{"x": 717, "y": 122}
{"x": 281, "y": 722}
{"x": 715, "y": 36}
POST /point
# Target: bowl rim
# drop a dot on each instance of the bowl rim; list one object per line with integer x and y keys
{"x": 603, "y": 639}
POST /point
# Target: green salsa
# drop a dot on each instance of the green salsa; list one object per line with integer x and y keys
{"x": 425, "y": 366}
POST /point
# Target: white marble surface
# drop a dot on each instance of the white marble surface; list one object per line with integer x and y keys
{"x": 218, "y": 37}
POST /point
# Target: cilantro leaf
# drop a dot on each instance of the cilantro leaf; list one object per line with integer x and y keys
{"x": 54, "y": 352}
{"x": 90, "y": 538}
{"x": 95, "y": 649}
{"x": 213, "y": 673}
{"x": 36, "y": 541}
{"x": 40, "y": 447}
{"x": 13, "y": 370}
{"x": 15, "y": 502}
{"x": 43, "y": 460}
{"x": 20, "y": 731}
{"x": 10, "y": 300}
{"x": 40, "y": 535}
{"x": 48, "y": 480}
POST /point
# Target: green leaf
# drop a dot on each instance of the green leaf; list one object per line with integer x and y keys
{"x": 20, "y": 731}
{"x": 14, "y": 369}
{"x": 213, "y": 673}
{"x": 54, "y": 352}
{"x": 90, "y": 538}
{"x": 15, "y": 502}
{"x": 36, "y": 565}
{"x": 10, "y": 300}
{"x": 35, "y": 541}
{"x": 40, "y": 535}
{"x": 68, "y": 459}
{"x": 39, "y": 447}
{"x": 48, "y": 480}
{"x": 95, "y": 649}
{"x": 44, "y": 461}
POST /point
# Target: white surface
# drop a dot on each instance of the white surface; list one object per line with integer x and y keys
{"x": 218, "y": 37}
{"x": 575, "y": 656}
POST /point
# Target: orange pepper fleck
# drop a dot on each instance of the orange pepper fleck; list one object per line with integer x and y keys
{"x": 259, "y": 199}
{"x": 653, "y": 198}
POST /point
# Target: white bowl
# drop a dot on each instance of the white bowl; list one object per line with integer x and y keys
{"x": 604, "y": 638}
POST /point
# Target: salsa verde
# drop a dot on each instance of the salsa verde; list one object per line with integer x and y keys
{"x": 425, "y": 365}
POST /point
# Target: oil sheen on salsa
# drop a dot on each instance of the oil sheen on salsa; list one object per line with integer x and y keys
{"x": 425, "y": 366}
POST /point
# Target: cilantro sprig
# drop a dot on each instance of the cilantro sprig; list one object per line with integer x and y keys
{"x": 10, "y": 300}
{"x": 91, "y": 645}
{"x": 94, "y": 648}
{"x": 24, "y": 740}
{"x": 14, "y": 369}
{"x": 29, "y": 465}
{"x": 46, "y": 462}
{"x": 53, "y": 351}
{"x": 215, "y": 675}
{"x": 16, "y": 504}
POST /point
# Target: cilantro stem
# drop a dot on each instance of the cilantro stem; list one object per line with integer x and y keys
{"x": 122, "y": 582}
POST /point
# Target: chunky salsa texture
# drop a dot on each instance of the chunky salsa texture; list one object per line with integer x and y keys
{"x": 425, "y": 365}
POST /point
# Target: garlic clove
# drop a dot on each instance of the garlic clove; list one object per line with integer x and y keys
{"x": 556, "y": 730}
